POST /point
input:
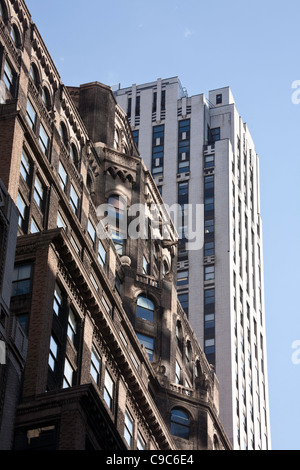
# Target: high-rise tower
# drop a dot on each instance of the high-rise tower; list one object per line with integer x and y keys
{"x": 201, "y": 152}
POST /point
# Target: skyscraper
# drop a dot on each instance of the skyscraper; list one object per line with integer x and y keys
{"x": 201, "y": 153}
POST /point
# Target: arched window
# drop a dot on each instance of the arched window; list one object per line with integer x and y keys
{"x": 116, "y": 140}
{"x": 74, "y": 154}
{"x": 34, "y": 75}
{"x": 179, "y": 334}
{"x": 46, "y": 97}
{"x": 180, "y": 423}
{"x": 145, "y": 308}
{"x": 188, "y": 351}
{"x": 63, "y": 133}
{"x": 15, "y": 35}
{"x": 3, "y": 12}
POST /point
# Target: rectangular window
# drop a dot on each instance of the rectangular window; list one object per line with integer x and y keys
{"x": 38, "y": 192}
{"x": 209, "y": 273}
{"x": 72, "y": 326}
{"x": 135, "y": 135}
{"x": 34, "y": 226}
{"x": 8, "y": 76}
{"x": 182, "y": 278}
{"x": 101, "y": 254}
{"x": 184, "y": 146}
{"x": 184, "y": 300}
{"x": 146, "y": 266}
{"x": 60, "y": 221}
{"x": 157, "y": 150}
{"x": 209, "y": 296}
{"x": 209, "y": 321}
{"x": 209, "y": 248}
{"x": 74, "y": 200}
{"x": 57, "y": 301}
{"x": 62, "y": 176}
{"x": 95, "y": 369}
{"x": 209, "y": 228}
{"x": 53, "y": 354}
{"x": 91, "y": 232}
{"x": 44, "y": 140}
{"x": 31, "y": 115}
{"x": 109, "y": 390}
{"x": 22, "y": 211}
{"x": 21, "y": 283}
{"x": 118, "y": 241}
{"x": 209, "y": 161}
{"x": 141, "y": 443}
{"x": 214, "y": 135}
{"x": 128, "y": 428}
{"x": 68, "y": 375}
{"x": 148, "y": 343}
{"x": 25, "y": 167}
{"x": 177, "y": 373}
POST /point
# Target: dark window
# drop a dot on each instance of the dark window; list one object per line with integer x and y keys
{"x": 219, "y": 99}
{"x": 209, "y": 296}
{"x": 184, "y": 300}
{"x": 138, "y": 106}
{"x": 180, "y": 424}
{"x": 214, "y": 135}
{"x": 209, "y": 161}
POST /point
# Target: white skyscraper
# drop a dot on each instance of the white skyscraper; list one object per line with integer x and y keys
{"x": 200, "y": 152}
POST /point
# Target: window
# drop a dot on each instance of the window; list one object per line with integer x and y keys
{"x": 179, "y": 335}
{"x": 145, "y": 309}
{"x": 46, "y": 97}
{"x": 73, "y": 154}
{"x": 31, "y": 115}
{"x": 209, "y": 296}
{"x": 178, "y": 376}
{"x": 68, "y": 375}
{"x": 22, "y": 211}
{"x": 183, "y": 146}
{"x": 209, "y": 273}
{"x": 118, "y": 240}
{"x": 62, "y": 176}
{"x": 2, "y": 11}
{"x": 53, "y": 354}
{"x": 128, "y": 428}
{"x": 209, "y": 346}
{"x": 209, "y": 228}
{"x": 180, "y": 423}
{"x": 95, "y": 369}
{"x": 38, "y": 192}
{"x": 34, "y": 226}
{"x": 15, "y": 35}
{"x": 101, "y": 254}
{"x": 157, "y": 150}
{"x": 209, "y": 321}
{"x": 141, "y": 443}
{"x": 148, "y": 343}
{"x": 209, "y": 248}
{"x": 214, "y": 135}
{"x": 34, "y": 74}
{"x": 184, "y": 300}
{"x": 63, "y": 133}
{"x": 219, "y": 99}
{"x": 146, "y": 266}
{"x": 209, "y": 161}
{"x": 44, "y": 140}
{"x": 8, "y": 76}
{"x": 60, "y": 221}
{"x": 25, "y": 167}
{"x": 72, "y": 326}
{"x": 91, "y": 232}
{"x": 74, "y": 200}
{"x": 57, "y": 301}
{"x": 21, "y": 283}
{"x": 108, "y": 390}
{"x": 182, "y": 278}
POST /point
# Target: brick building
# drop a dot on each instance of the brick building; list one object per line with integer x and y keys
{"x": 108, "y": 360}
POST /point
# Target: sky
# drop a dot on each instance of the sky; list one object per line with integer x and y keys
{"x": 253, "y": 47}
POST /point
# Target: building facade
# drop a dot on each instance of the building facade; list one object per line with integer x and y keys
{"x": 201, "y": 153}
{"x": 105, "y": 357}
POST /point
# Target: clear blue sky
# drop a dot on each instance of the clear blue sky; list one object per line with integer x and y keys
{"x": 253, "y": 47}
